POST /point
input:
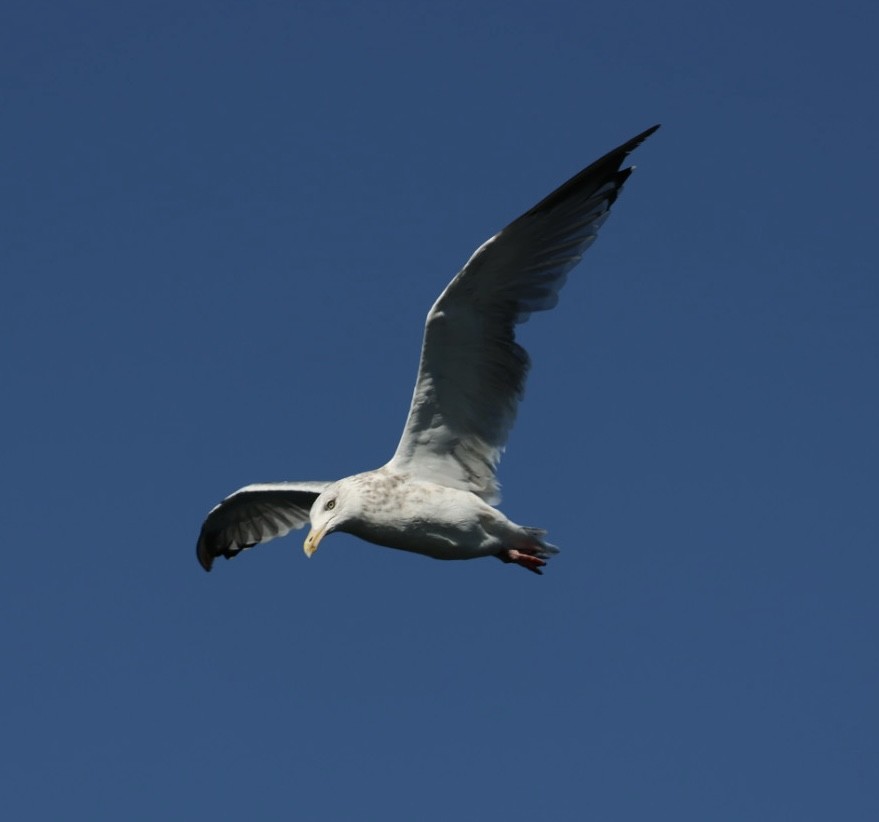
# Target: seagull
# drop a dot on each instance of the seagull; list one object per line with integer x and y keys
{"x": 438, "y": 494}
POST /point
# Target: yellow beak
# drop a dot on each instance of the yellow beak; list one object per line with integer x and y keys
{"x": 312, "y": 541}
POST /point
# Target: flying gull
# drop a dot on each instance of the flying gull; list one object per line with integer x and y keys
{"x": 437, "y": 495}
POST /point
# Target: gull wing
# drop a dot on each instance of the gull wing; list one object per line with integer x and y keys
{"x": 472, "y": 372}
{"x": 254, "y": 514}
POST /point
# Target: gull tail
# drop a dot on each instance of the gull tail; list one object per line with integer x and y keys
{"x": 538, "y": 545}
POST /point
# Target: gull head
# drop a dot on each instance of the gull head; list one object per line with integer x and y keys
{"x": 330, "y": 512}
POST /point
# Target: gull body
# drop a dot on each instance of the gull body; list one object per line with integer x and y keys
{"x": 437, "y": 494}
{"x": 445, "y": 523}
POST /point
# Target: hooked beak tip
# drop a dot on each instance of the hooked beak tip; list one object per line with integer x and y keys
{"x": 311, "y": 542}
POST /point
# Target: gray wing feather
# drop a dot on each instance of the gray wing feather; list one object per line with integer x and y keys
{"x": 254, "y": 514}
{"x": 472, "y": 371}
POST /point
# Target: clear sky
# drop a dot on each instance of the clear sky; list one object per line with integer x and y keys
{"x": 222, "y": 225}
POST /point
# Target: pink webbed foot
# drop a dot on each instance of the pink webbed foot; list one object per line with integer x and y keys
{"x": 528, "y": 561}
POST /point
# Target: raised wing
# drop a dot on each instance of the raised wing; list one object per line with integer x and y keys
{"x": 472, "y": 371}
{"x": 254, "y": 514}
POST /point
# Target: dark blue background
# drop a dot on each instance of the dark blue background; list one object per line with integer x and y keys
{"x": 222, "y": 226}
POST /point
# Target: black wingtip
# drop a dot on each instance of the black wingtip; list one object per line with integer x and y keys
{"x": 604, "y": 170}
{"x": 617, "y": 155}
{"x": 636, "y": 141}
{"x": 205, "y": 558}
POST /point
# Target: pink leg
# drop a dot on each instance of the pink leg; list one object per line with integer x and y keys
{"x": 528, "y": 561}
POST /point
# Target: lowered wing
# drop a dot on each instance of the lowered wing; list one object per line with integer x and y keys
{"x": 254, "y": 514}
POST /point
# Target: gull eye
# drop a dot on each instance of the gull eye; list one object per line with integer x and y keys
{"x": 330, "y": 505}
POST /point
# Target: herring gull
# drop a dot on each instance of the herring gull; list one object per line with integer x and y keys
{"x": 437, "y": 495}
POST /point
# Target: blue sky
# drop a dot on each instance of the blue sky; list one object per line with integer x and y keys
{"x": 222, "y": 226}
